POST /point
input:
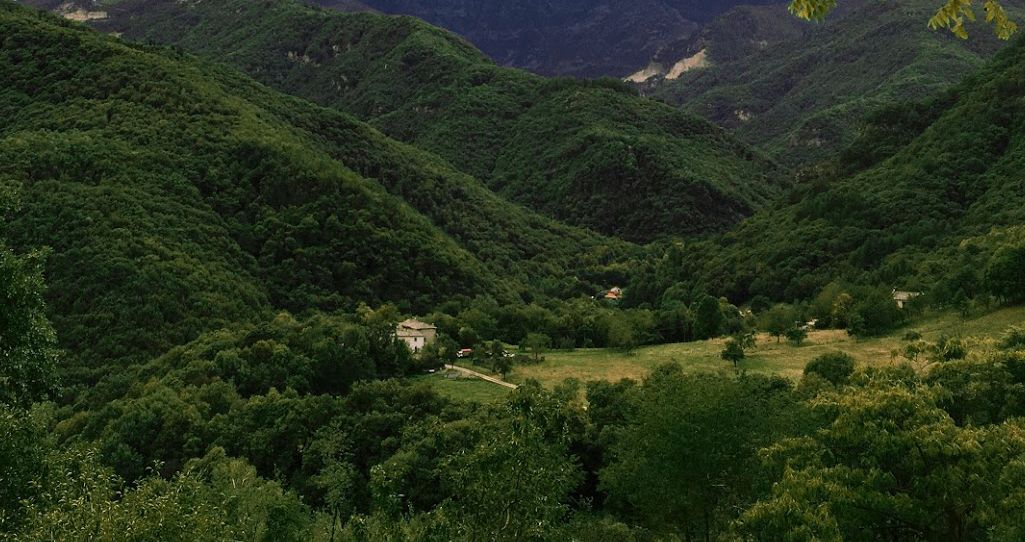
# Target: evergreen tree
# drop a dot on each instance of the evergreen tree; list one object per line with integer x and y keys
{"x": 708, "y": 318}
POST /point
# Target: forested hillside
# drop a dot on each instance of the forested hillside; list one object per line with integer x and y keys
{"x": 590, "y": 154}
{"x": 224, "y": 267}
{"x": 176, "y": 197}
{"x": 802, "y": 99}
{"x": 928, "y": 197}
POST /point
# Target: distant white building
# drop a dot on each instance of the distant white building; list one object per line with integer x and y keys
{"x": 417, "y": 334}
{"x": 903, "y": 297}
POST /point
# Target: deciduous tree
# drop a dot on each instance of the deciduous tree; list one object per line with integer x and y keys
{"x": 777, "y": 320}
{"x": 796, "y": 334}
{"x": 836, "y": 367}
{"x": 733, "y": 352}
{"x": 951, "y": 15}
{"x": 28, "y": 346}
{"x": 890, "y": 465}
{"x": 502, "y": 364}
{"x": 686, "y": 453}
{"x": 708, "y": 318}
{"x": 1005, "y": 272}
{"x": 537, "y": 344}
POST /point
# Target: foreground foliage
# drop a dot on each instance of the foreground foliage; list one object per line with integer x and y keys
{"x": 951, "y": 15}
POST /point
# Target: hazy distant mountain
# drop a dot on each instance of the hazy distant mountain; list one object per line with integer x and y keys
{"x": 799, "y": 90}
{"x": 584, "y": 38}
{"x": 741, "y": 31}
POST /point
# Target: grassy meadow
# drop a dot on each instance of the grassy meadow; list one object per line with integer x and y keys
{"x": 455, "y": 385}
{"x": 768, "y": 357}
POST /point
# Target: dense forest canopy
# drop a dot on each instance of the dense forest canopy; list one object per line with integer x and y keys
{"x": 903, "y": 205}
{"x": 150, "y": 175}
{"x": 200, "y": 279}
{"x": 588, "y": 153}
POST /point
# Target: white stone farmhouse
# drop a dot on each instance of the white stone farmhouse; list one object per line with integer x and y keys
{"x": 417, "y": 334}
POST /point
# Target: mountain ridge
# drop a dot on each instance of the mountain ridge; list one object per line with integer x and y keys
{"x": 922, "y": 199}
{"x": 422, "y": 85}
{"x": 802, "y": 98}
{"x": 564, "y": 37}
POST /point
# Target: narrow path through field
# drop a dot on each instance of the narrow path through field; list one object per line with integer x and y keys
{"x": 480, "y": 375}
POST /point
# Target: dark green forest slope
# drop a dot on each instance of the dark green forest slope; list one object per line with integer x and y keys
{"x": 176, "y": 196}
{"x": 802, "y": 99}
{"x": 590, "y": 154}
{"x": 924, "y": 198}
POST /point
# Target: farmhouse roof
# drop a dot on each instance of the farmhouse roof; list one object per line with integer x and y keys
{"x": 412, "y": 327}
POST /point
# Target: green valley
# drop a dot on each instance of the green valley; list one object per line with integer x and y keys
{"x": 249, "y": 249}
{"x": 769, "y": 356}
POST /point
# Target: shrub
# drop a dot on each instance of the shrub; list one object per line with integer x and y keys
{"x": 835, "y": 367}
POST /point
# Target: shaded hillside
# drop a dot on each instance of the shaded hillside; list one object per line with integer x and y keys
{"x": 591, "y": 154}
{"x": 741, "y": 31}
{"x": 177, "y": 196}
{"x": 565, "y": 37}
{"x": 898, "y": 205}
{"x": 803, "y": 99}
{"x": 346, "y": 5}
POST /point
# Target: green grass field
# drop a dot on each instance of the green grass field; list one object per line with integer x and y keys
{"x": 465, "y": 388}
{"x": 769, "y": 357}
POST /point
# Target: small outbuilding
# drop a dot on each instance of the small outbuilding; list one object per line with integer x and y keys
{"x": 902, "y": 297}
